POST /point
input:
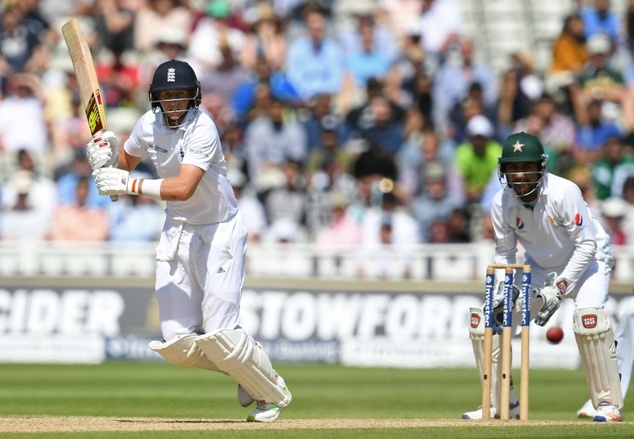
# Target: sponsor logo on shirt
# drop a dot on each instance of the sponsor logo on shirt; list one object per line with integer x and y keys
{"x": 519, "y": 223}
{"x": 199, "y": 152}
{"x": 578, "y": 219}
{"x": 157, "y": 148}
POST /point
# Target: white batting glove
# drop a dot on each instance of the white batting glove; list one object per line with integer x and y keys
{"x": 115, "y": 181}
{"x": 551, "y": 297}
{"x": 102, "y": 150}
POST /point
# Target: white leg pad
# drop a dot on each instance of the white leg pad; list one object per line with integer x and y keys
{"x": 476, "y": 333}
{"x": 183, "y": 351}
{"x": 595, "y": 339}
{"x": 235, "y": 353}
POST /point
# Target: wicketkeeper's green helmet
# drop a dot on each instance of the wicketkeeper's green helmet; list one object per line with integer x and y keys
{"x": 522, "y": 147}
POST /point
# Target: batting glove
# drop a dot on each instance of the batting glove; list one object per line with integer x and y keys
{"x": 102, "y": 150}
{"x": 551, "y": 298}
{"x": 115, "y": 181}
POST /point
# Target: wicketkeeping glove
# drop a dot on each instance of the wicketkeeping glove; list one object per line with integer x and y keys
{"x": 115, "y": 181}
{"x": 551, "y": 297}
{"x": 102, "y": 150}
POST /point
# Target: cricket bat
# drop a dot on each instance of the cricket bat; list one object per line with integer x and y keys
{"x": 84, "y": 67}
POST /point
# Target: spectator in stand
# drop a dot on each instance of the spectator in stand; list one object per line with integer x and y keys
{"x": 598, "y": 79}
{"x": 22, "y": 120}
{"x": 322, "y": 115}
{"x": 383, "y": 40}
{"x": 569, "y": 55}
{"x": 225, "y": 78}
{"x": 120, "y": 79}
{"x": 204, "y": 44}
{"x": 21, "y": 46}
{"x": 383, "y": 128}
{"x": 22, "y": 217}
{"x": 270, "y": 141}
{"x": 342, "y": 233}
{"x": 435, "y": 203}
{"x": 364, "y": 59}
{"x": 628, "y": 196}
{"x": 472, "y": 104}
{"x": 329, "y": 159}
{"x": 600, "y": 19}
{"x": 441, "y": 25}
{"x": 389, "y": 236}
{"x": 613, "y": 213}
{"x": 592, "y": 132}
{"x": 252, "y": 97}
{"x": 155, "y": 19}
{"x": 113, "y": 25}
{"x": 252, "y": 210}
{"x": 286, "y": 204}
{"x": 79, "y": 222}
{"x": 605, "y": 168}
{"x": 265, "y": 38}
{"x": 135, "y": 219}
{"x": 315, "y": 62}
{"x": 454, "y": 79}
{"x": 67, "y": 183}
{"x": 557, "y": 130}
{"x": 477, "y": 157}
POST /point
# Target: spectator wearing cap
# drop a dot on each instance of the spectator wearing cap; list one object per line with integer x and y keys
{"x": 436, "y": 202}
{"x": 343, "y": 232}
{"x": 598, "y": 79}
{"x": 214, "y": 27}
{"x": 477, "y": 157}
{"x": 315, "y": 62}
{"x": 23, "y": 218}
{"x": 160, "y": 21}
{"x": 613, "y": 213}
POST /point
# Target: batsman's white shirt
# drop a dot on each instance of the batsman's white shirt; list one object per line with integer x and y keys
{"x": 201, "y": 252}
{"x": 558, "y": 234}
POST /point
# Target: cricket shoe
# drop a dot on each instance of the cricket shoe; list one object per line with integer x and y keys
{"x": 587, "y": 410}
{"x": 269, "y": 412}
{"x": 514, "y": 412}
{"x": 606, "y": 412}
{"x": 244, "y": 398}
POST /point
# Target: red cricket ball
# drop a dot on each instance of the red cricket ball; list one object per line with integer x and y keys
{"x": 554, "y": 334}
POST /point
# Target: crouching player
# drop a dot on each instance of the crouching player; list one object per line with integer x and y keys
{"x": 569, "y": 254}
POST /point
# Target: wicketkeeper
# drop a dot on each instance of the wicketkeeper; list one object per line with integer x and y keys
{"x": 569, "y": 255}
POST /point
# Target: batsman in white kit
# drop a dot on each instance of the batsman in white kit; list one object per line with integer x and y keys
{"x": 569, "y": 254}
{"x": 201, "y": 252}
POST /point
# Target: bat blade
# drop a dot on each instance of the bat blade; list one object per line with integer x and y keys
{"x": 84, "y": 67}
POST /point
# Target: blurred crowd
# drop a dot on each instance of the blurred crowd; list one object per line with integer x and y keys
{"x": 345, "y": 123}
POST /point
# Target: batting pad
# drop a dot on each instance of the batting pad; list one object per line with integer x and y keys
{"x": 476, "y": 334}
{"x": 595, "y": 339}
{"x": 235, "y": 353}
{"x": 184, "y": 352}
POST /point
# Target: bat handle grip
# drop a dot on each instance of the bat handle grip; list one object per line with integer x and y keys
{"x": 114, "y": 198}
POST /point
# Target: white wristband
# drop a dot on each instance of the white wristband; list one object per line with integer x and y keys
{"x": 151, "y": 188}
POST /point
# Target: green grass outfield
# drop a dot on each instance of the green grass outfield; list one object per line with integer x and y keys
{"x": 157, "y": 400}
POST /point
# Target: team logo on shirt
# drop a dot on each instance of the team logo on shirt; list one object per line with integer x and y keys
{"x": 578, "y": 220}
{"x": 519, "y": 223}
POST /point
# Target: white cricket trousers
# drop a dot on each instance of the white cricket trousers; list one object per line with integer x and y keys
{"x": 199, "y": 276}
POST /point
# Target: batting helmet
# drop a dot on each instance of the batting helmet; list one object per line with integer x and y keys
{"x": 174, "y": 75}
{"x": 522, "y": 147}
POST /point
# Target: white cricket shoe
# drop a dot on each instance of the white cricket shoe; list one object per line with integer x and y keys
{"x": 514, "y": 412}
{"x": 244, "y": 398}
{"x": 269, "y": 412}
{"x": 587, "y": 410}
{"x": 606, "y": 412}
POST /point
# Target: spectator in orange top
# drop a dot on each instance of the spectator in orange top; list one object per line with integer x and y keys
{"x": 569, "y": 54}
{"x": 79, "y": 222}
